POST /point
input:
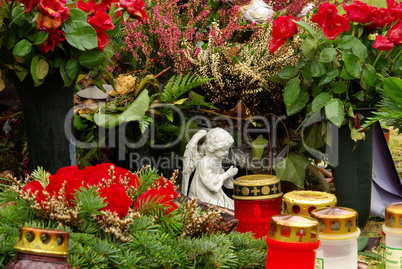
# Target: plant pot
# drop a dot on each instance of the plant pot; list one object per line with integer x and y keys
{"x": 386, "y": 133}
{"x": 353, "y": 174}
{"x": 46, "y": 109}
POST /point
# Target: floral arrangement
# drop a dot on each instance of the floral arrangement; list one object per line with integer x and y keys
{"x": 43, "y": 37}
{"x": 346, "y": 58}
{"x": 117, "y": 218}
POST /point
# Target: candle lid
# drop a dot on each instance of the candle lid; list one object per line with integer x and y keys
{"x": 42, "y": 241}
{"x": 257, "y": 187}
{"x": 294, "y": 228}
{"x": 393, "y": 214}
{"x": 303, "y": 202}
{"x": 336, "y": 220}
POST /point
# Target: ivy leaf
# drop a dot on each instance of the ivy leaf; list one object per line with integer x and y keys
{"x": 258, "y": 147}
{"x": 293, "y": 169}
{"x": 335, "y": 112}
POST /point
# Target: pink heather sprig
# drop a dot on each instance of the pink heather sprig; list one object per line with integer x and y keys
{"x": 291, "y": 7}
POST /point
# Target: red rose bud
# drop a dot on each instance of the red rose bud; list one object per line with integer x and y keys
{"x": 283, "y": 27}
{"x": 383, "y": 43}
{"x": 117, "y": 199}
{"x": 135, "y": 8}
{"x": 34, "y": 186}
{"x": 395, "y": 34}
{"x": 359, "y": 12}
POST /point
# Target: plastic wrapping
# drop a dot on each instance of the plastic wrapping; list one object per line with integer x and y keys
{"x": 257, "y": 11}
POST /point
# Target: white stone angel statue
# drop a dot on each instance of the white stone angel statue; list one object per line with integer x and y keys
{"x": 209, "y": 176}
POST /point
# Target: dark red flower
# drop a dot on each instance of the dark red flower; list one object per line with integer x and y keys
{"x": 34, "y": 186}
{"x": 135, "y": 8}
{"x": 282, "y": 28}
{"x": 358, "y": 12}
{"x": 395, "y": 34}
{"x": 394, "y": 8}
{"x": 160, "y": 196}
{"x": 117, "y": 199}
{"x": 330, "y": 21}
{"x": 52, "y": 14}
{"x": 101, "y": 22}
{"x": 383, "y": 43}
{"x": 73, "y": 177}
{"x": 86, "y": 7}
{"x": 29, "y": 4}
{"x": 95, "y": 174}
{"x": 167, "y": 186}
{"x": 54, "y": 38}
{"x": 380, "y": 18}
{"x": 275, "y": 44}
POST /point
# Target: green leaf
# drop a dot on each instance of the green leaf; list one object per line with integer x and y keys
{"x": 360, "y": 50}
{"x": 369, "y": 75}
{"x": 19, "y": 16}
{"x": 317, "y": 69}
{"x": 306, "y": 27}
{"x": 338, "y": 87}
{"x": 72, "y": 68}
{"x": 258, "y": 146}
{"x": 40, "y": 37}
{"x": 309, "y": 47}
{"x": 91, "y": 59}
{"x": 359, "y": 95}
{"x": 291, "y": 91}
{"x": 292, "y": 169}
{"x": 10, "y": 40}
{"x": 306, "y": 73}
{"x": 327, "y": 55}
{"x": 320, "y": 101}
{"x": 42, "y": 69}
{"x": 352, "y": 64}
{"x": 288, "y": 72}
{"x": 77, "y": 14}
{"x": 34, "y": 64}
{"x": 297, "y": 106}
{"x": 275, "y": 78}
{"x": 83, "y": 37}
{"x": 67, "y": 80}
{"x": 335, "y": 111}
{"x": 345, "y": 74}
{"x": 22, "y": 48}
{"x": 347, "y": 42}
{"x": 329, "y": 76}
{"x": 362, "y": 243}
{"x": 134, "y": 112}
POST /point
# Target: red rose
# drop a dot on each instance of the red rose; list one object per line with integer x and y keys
{"x": 86, "y": 7}
{"x": 29, "y": 4}
{"x": 134, "y": 180}
{"x": 117, "y": 199}
{"x": 95, "y": 174}
{"x": 394, "y": 8}
{"x": 395, "y": 34}
{"x": 160, "y": 196}
{"x": 101, "y": 22}
{"x": 383, "y": 43}
{"x": 330, "y": 21}
{"x": 282, "y": 28}
{"x": 167, "y": 186}
{"x": 275, "y": 44}
{"x": 380, "y": 18}
{"x": 135, "y": 8}
{"x": 34, "y": 186}
{"x": 52, "y": 14}
{"x": 106, "y": 4}
{"x": 57, "y": 180}
{"x": 54, "y": 38}
{"x": 359, "y": 12}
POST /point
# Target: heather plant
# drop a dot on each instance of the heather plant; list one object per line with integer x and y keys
{"x": 159, "y": 43}
{"x": 291, "y": 7}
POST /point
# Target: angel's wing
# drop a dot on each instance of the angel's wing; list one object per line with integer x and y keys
{"x": 190, "y": 159}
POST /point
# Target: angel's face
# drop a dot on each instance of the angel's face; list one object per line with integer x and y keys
{"x": 221, "y": 153}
